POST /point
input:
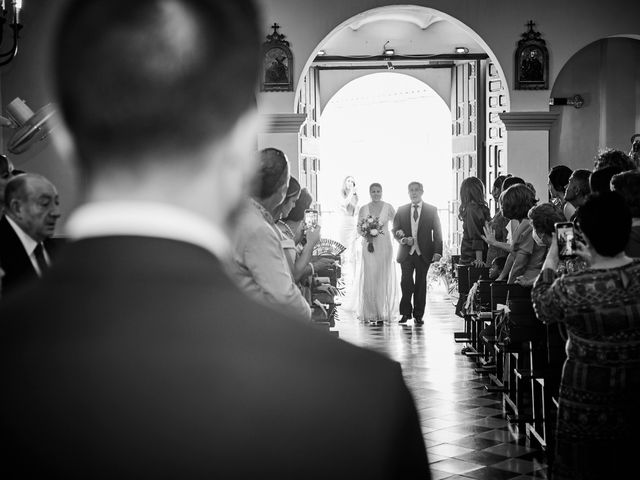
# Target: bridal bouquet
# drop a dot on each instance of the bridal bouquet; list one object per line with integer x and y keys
{"x": 370, "y": 227}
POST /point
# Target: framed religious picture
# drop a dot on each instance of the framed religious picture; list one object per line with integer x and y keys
{"x": 277, "y": 63}
{"x": 532, "y": 61}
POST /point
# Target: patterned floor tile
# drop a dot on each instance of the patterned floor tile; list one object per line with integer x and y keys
{"x": 463, "y": 425}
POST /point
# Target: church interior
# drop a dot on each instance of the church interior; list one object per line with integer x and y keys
{"x": 524, "y": 87}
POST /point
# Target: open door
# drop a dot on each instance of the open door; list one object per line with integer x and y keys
{"x": 496, "y": 139}
{"x": 309, "y": 137}
{"x": 468, "y": 127}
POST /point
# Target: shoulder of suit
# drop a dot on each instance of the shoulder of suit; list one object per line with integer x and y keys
{"x": 429, "y": 206}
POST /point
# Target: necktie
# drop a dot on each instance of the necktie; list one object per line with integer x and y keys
{"x": 415, "y": 213}
{"x": 38, "y": 252}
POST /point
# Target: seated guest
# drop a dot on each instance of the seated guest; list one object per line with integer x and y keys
{"x": 598, "y": 416}
{"x": 558, "y": 181}
{"x": 304, "y": 239}
{"x": 498, "y": 224}
{"x": 501, "y": 244}
{"x": 627, "y": 184}
{"x": 260, "y": 264}
{"x": 32, "y": 210}
{"x": 497, "y": 264}
{"x": 576, "y": 194}
{"x": 5, "y": 176}
{"x": 526, "y": 258}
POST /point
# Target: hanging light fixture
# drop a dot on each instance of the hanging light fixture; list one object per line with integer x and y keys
{"x": 10, "y": 16}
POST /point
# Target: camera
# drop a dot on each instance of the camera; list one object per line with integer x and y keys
{"x": 566, "y": 238}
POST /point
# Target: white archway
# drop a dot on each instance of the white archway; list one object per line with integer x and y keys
{"x": 388, "y": 128}
{"x": 403, "y": 13}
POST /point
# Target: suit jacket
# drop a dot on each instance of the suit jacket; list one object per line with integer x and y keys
{"x": 14, "y": 260}
{"x": 138, "y": 357}
{"x": 429, "y": 231}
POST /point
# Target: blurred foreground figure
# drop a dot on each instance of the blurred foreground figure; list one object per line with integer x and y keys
{"x": 137, "y": 357}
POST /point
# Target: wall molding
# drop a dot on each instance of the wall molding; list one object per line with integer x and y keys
{"x": 283, "y": 122}
{"x": 514, "y": 121}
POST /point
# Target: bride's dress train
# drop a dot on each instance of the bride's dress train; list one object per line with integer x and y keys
{"x": 375, "y": 287}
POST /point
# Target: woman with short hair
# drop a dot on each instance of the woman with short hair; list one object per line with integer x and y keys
{"x": 598, "y": 416}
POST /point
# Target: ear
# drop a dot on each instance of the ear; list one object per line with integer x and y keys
{"x": 15, "y": 207}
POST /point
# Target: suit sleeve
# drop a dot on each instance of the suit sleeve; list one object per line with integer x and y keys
{"x": 410, "y": 454}
{"x": 437, "y": 233}
{"x": 396, "y": 224}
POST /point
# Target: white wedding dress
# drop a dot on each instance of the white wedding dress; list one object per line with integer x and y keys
{"x": 375, "y": 286}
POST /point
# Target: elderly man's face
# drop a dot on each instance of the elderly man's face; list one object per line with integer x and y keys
{"x": 39, "y": 210}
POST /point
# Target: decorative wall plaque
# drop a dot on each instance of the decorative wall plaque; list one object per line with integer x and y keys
{"x": 277, "y": 63}
{"x": 532, "y": 61}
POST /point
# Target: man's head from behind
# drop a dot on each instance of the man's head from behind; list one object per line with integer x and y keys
{"x": 148, "y": 82}
{"x": 271, "y": 181}
{"x": 32, "y": 202}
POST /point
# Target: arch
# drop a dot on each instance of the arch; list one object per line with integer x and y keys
{"x": 399, "y": 12}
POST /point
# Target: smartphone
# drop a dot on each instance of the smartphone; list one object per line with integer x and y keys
{"x": 566, "y": 238}
{"x": 311, "y": 218}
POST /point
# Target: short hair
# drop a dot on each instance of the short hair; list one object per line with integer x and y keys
{"x": 375, "y": 184}
{"x": 581, "y": 176}
{"x": 304, "y": 202}
{"x": 415, "y": 183}
{"x": 516, "y": 201}
{"x": 293, "y": 189}
{"x": 610, "y": 157}
{"x": 16, "y": 188}
{"x": 497, "y": 183}
{"x": 510, "y": 181}
{"x": 606, "y": 221}
{"x": 627, "y": 184}
{"x": 272, "y": 172}
{"x": 146, "y": 77}
{"x": 600, "y": 180}
{"x": 559, "y": 177}
{"x": 544, "y": 217}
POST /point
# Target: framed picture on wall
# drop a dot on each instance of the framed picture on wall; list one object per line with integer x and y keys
{"x": 531, "y": 61}
{"x": 277, "y": 63}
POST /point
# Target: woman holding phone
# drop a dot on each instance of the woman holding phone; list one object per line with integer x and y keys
{"x": 598, "y": 416}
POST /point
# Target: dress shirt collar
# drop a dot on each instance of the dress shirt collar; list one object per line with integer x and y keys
{"x": 267, "y": 216}
{"x": 147, "y": 219}
{"x": 28, "y": 243}
{"x": 419, "y": 204}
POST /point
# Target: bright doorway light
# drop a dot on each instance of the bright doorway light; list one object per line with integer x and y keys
{"x": 389, "y": 128}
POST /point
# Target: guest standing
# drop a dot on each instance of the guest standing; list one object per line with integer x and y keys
{"x": 627, "y": 184}
{"x": 598, "y": 416}
{"x": 474, "y": 214}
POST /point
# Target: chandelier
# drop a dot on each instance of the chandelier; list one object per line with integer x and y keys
{"x": 9, "y": 16}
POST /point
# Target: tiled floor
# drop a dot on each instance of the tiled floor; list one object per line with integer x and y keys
{"x": 464, "y": 427}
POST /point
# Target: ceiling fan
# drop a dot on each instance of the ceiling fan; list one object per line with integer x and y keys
{"x": 29, "y": 127}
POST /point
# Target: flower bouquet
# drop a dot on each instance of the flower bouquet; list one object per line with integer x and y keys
{"x": 370, "y": 227}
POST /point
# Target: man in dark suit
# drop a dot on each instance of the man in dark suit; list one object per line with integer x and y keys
{"x": 32, "y": 211}
{"x": 416, "y": 227}
{"x": 137, "y": 356}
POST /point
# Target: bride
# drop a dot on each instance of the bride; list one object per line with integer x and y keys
{"x": 375, "y": 281}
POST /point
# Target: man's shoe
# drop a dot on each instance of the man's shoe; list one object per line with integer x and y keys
{"x": 404, "y": 319}
{"x": 419, "y": 321}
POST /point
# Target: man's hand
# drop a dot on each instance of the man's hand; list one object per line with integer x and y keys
{"x": 400, "y": 234}
{"x": 408, "y": 241}
{"x": 436, "y": 257}
{"x": 478, "y": 263}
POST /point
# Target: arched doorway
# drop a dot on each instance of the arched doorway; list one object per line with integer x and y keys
{"x": 415, "y": 40}
{"x": 380, "y": 128}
